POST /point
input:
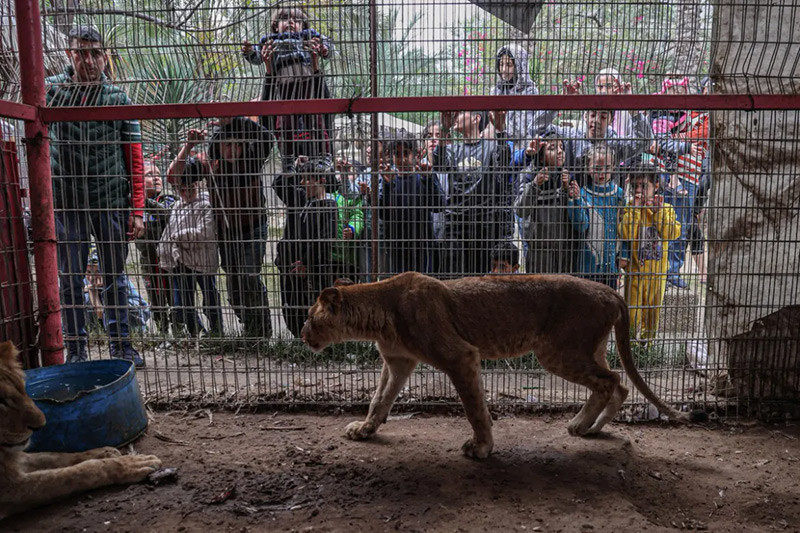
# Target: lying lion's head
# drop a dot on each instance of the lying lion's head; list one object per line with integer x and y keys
{"x": 19, "y": 416}
{"x": 324, "y": 325}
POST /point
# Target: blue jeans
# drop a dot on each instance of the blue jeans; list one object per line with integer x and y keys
{"x": 183, "y": 300}
{"x": 138, "y": 309}
{"x": 242, "y": 259}
{"x": 684, "y": 213}
{"x": 74, "y": 230}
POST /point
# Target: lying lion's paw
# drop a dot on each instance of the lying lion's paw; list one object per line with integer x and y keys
{"x": 476, "y": 451}
{"x": 359, "y": 430}
{"x": 102, "y": 453}
{"x": 134, "y": 468}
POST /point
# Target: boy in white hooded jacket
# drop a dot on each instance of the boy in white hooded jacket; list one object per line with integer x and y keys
{"x": 188, "y": 249}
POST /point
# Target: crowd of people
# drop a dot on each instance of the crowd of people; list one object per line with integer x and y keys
{"x": 615, "y": 198}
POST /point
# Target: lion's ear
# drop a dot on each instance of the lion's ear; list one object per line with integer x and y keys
{"x": 342, "y": 282}
{"x": 331, "y": 298}
{"x": 8, "y": 352}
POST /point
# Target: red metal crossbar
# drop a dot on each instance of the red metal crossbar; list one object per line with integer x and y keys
{"x": 15, "y": 110}
{"x": 742, "y": 102}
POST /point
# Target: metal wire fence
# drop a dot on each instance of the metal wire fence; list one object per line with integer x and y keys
{"x": 198, "y": 244}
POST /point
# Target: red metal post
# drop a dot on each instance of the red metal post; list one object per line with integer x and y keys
{"x": 31, "y": 60}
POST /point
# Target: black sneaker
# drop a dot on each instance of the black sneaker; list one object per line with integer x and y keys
{"x": 76, "y": 352}
{"x": 128, "y": 353}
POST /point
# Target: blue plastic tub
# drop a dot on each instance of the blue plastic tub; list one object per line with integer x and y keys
{"x": 87, "y": 405}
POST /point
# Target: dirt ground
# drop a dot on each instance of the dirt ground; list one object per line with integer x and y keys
{"x": 295, "y": 472}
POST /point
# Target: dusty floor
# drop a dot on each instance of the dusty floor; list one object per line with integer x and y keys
{"x": 289, "y": 472}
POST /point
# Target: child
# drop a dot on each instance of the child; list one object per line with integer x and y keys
{"x": 371, "y": 265}
{"x": 595, "y": 215}
{"x": 188, "y": 248}
{"x": 505, "y": 258}
{"x": 305, "y": 253}
{"x": 158, "y": 205}
{"x": 407, "y": 202}
{"x": 432, "y": 137}
{"x": 350, "y": 217}
{"x": 291, "y": 56}
{"x": 542, "y": 204}
{"x": 94, "y": 289}
{"x": 648, "y": 224}
{"x": 511, "y": 63}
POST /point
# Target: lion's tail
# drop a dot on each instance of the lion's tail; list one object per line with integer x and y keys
{"x": 623, "y": 335}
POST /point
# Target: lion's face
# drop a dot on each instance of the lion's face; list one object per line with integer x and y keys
{"x": 19, "y": 416}
{"x": 323, "y": 325}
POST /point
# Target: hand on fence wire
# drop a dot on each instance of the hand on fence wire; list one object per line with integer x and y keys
{"x": 534, "y": 146}
{"x": 135, "y": 227}
{"x": 542, "y": 177}
{"x": 299, "y": 268}
{"x": 565, "y": 179}
{"x": 266, "y": 55}
{"x": 196, "y": 136}
{"x": 388, "y": 172}
{"x": 448, "y": 118}
{"x": 572, "y": 87}
{"x": 574, "y": 189}
{"x": 497, "y": 118}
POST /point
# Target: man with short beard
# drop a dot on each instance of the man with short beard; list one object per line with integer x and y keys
{"x": 98, "y": 192}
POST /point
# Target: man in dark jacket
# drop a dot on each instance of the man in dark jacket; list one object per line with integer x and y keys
{"x": 98, "y": 191}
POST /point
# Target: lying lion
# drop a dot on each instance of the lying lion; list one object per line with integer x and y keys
{"x": 31, "y": 479}
{"x": 452, "y": 325}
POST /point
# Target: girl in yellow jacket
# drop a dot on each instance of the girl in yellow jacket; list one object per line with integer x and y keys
{"x": 648, "y": 224}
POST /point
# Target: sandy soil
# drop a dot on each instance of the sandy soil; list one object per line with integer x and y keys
{"x": 291, "y": 472}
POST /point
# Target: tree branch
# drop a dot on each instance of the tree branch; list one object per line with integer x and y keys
{"x": 82, "y": 11}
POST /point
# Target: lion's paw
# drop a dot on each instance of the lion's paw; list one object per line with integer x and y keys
{"x": 359, "y": 430}
{"x": 477, "y": 451}
{"x": 102, "y": 453}
{"x": 577, "y": 427}
{"x": 134, "y": 468}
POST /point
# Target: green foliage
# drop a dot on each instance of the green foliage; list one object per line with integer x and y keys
{"x": 636, "y": 38}
{"x": 645, "y": 355}
{"x": 526, "y": 362}
{"x": 361, "y": 354}
{"x": 404, "y": 68}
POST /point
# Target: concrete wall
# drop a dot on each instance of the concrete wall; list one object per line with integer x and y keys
{"x": 754, "y": 224}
